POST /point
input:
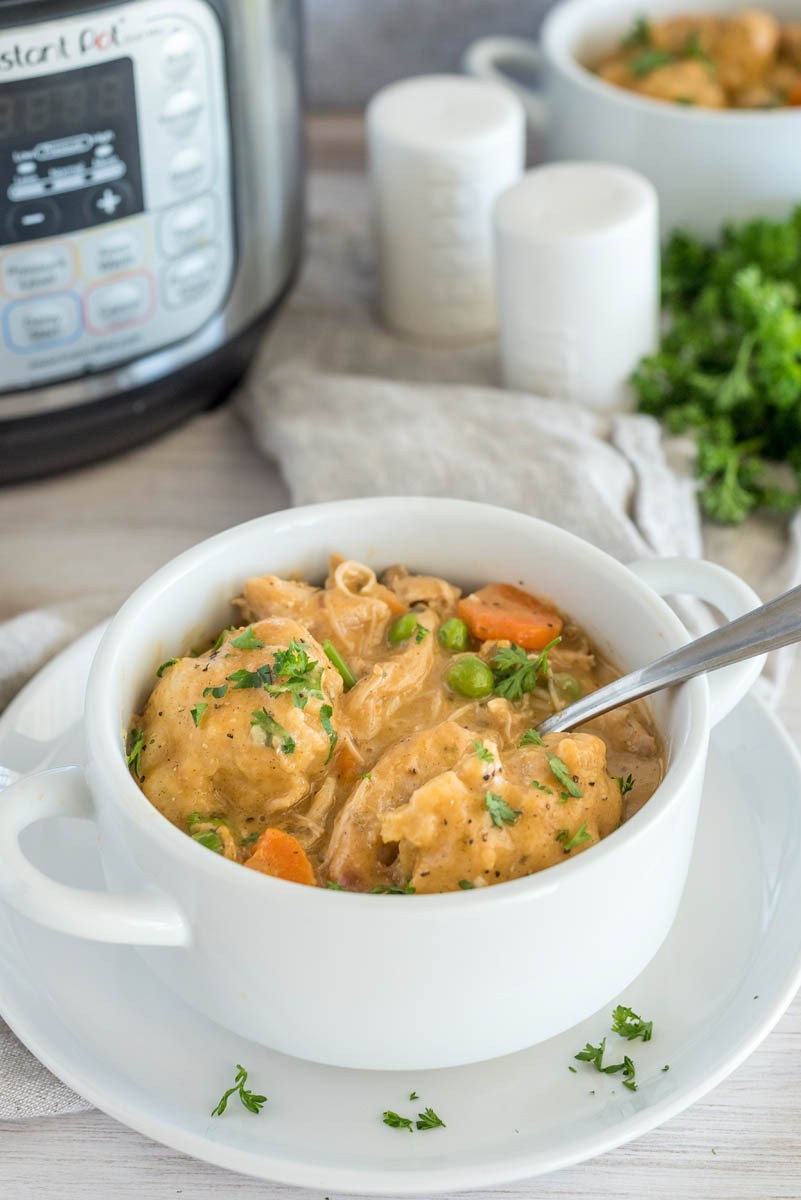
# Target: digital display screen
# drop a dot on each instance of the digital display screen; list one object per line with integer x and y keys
{"x": 69, "y": 151}
{"x": 40, "y": 106}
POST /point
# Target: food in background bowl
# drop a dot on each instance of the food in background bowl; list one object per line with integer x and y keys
{"x": 745, "y": 60}
{"x": 380, "y": 736}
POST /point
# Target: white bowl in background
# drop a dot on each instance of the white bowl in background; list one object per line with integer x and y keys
{"x": 369, "y": 980}
{"x": 709, "y": 166}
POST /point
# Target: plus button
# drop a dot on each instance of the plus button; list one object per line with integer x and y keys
{"x": 108, "y": 202}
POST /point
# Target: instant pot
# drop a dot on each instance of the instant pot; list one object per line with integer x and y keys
{"x": 150, "y": 212}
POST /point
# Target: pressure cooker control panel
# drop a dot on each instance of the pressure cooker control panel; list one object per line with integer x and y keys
{"x": 116, "y": 231}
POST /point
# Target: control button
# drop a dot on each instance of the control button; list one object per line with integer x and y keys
{"x": 181, "y": 112}
{"x": 179, "y": 53}
{"x": 188, "y": 170}
{"x": 187, "y": 227}
{"x": 113, "y": 251}
{"x": 189, "y": 279}
{"x": 126, "y": 302}
{"x": 37, "y": 218}
{"x": 109, "y": 202}
{"x": 31, "y": 324}
{"x": 46, "y": 268}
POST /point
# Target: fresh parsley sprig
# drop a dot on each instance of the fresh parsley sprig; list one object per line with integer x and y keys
{"x": 627, "y": 1024}
{"x": 326, "y": 712}
{"x": 499, "y": 810}
{"x": 396, "y": 1122}
{"x": 250, "y": 1100}
{"x": 515, "y": 673}
{"x": 559, "y": 769}
{"x": 247, "y": 640}
{"x": 429, "y": 1120}
{"x": 267, "y": 723}
{"x": 134, "y": 758}
{"x": 578, "y": 839}
{"x": 483, "y": 753}
{"x": 297, "y": 674}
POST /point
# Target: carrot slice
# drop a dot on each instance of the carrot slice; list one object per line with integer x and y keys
{"x": 794, "y": 96}
{"x": 280, "y": 854}
{"x": 500, "y": 610}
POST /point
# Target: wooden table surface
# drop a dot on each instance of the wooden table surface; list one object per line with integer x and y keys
{"x": 105, "y": 529}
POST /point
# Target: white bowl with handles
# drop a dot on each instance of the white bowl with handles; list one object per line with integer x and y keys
{"x": 378, "y": 981}
{"x": 708, "y": 166}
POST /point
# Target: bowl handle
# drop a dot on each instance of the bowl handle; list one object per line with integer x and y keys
{"x": 727, "y": 592}
{"x": 485, "y": 59}
{"x": 143, "y": 919}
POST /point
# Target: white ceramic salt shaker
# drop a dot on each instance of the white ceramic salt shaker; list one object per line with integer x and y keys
{"x": 577, "y": 259}
{"x": 441, "y": 149}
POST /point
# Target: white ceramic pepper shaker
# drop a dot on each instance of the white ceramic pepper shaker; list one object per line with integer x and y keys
{"x": 577, "y": 258}
{"x": 441, "y": 149}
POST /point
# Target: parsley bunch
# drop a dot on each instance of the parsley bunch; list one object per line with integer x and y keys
{"x": 729, "y": 366}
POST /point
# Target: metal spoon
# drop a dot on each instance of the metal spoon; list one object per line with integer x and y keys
{"x": 767, "y": 628}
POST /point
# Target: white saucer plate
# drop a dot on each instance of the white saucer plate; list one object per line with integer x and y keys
{"x": 728, "y": 970}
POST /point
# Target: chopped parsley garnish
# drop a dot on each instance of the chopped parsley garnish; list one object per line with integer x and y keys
{"x": 429, "y": 1120}
{"x": 209, "y": 838}
{"x": 541, "y": 787}
{"x": 216, "y": 692}
{"x": 639, "y": 34}
{"x": 169, "y": 663}
{"x": 270, "y": 727}
{"x": 573, "y": 1069}
{"x": 393, "y": 889}
{"x": 665, "y": 1068}
{"x": 629, "y": 1025}
{"x": 413, "y": 1096}
{"x": 247, "y": 640}
{"x": 222, "y": 637}
{"x": 249, "y": 839}
{"x": 499, "y": 810}
{"x": 593, "y": 1054}
{"x": 649, "y": 61}
{"x": 625, "y": 784}
{"x": 559, "y": 769}
{"x": 482, "y": 752}
{"x": 420, "y": 632}
{"x": 694, "y": 49}
{"x": 515, "y": 673}
{"x": 395, "y": 1122}
{"x": 197, "y": 712}
{"x": 134, "y": 759}
{"x": 348, "y": 678}
{"x": 334, "y": 887}
{"x": 466, "y": 885}
{"x": 531, "y": 738}
{"x": 300, "y": 674}
{"x": 250, "y": 1100}
{"x": 578, "y": 838}
{"x": 366, "y": 775}
{"x": 243, "y": 678}
{"x": 326, "y": 712}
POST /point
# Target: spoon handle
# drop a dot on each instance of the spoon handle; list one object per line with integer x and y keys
{"x": 767, "y": 628}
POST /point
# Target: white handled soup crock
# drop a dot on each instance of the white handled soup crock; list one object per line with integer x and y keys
{"x": 381, "y": 981}
{"x": 708, "y": 166}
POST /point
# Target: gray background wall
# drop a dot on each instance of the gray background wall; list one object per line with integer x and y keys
{"x": 356, "y": 46}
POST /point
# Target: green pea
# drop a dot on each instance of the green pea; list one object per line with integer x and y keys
{"x": 454, "y": 636}
{"x": 403, "y": 628}
{"x": 470, "y": 676}
{"x": 210, "y": 839}
{"x": 568, "y": 686}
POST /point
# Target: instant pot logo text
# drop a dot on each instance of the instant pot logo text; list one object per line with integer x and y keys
{"x": 89, "y": 40}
